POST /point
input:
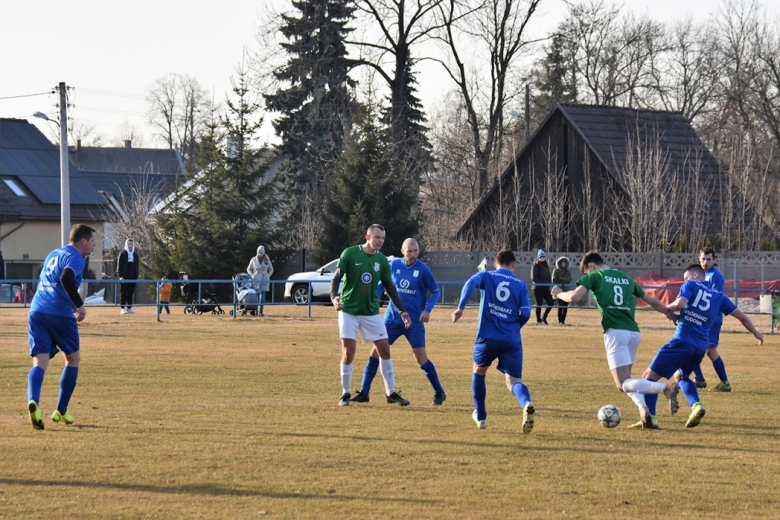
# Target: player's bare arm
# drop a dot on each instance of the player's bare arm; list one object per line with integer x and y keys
{"x": 570, "y": 296}
{"x": 659, "y": 306}
{"x": 335, "y": 282}
{"x": 678, "y": 304}
{"x": 456, "y": 314}
{"x": 743, "y": 318}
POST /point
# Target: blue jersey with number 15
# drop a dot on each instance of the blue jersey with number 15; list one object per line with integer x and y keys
{"x": 704, "y": 308}
{"x": 504, "y": 301}
{"x": 51, "y": 298}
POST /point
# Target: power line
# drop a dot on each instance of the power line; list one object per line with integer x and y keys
{"x": 27, "y": 95}
{"x": 114, "y": 94}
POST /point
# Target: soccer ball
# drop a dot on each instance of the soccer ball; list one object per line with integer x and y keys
{"x": 609, "y": 416}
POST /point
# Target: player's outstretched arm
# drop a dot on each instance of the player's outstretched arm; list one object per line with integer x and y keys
{"x": 465, "y": 296}
{"x": 570, "y": 296}
{"x": 659, "y": 306}
{"x": 743, "y": 318}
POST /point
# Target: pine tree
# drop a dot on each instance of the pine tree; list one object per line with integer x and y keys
{"x": 365, "y": 192}
{"x": 315, "y": 107}
{"x": 219, "y": 218}
{"x": 555, "y": 76}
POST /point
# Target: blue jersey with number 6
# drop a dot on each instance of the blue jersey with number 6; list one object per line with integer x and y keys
{"x": 504, "y": 300}
{"x": 705, "y": 308}
{"x": 51, "y": 298}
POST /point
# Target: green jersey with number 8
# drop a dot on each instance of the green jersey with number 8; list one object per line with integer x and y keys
{"x": 614, "y": 292}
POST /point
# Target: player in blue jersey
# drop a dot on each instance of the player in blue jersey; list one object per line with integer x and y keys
{"x": 503, "y": 310}
{"x": 716, "y": 280}
{"x": 700, "y": 308}
{"x": 52, "y": 322}
{"x": 413, "y": 280}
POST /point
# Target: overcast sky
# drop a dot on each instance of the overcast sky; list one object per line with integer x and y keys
{"x": 112, "y": 52}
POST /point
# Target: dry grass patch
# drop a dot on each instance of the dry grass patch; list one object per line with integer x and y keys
{"x": 205, "y": 416}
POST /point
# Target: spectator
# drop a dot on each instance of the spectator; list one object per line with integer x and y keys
{"x": 542, "y": 278}
{"x": 189, "y": 291}
{"x": 24, "y": 294}
{"x": 260, "y": 268}
{"x": 165, "y": 295}
{"x": 128, "y": 269}
{"x": 561, "y": 276}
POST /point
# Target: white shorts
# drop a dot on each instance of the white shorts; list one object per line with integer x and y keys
{"x": 372, "y": 328}
{"x": 621, "y": 347}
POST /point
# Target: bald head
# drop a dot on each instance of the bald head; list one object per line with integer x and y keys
{"x": 410, "y": 250}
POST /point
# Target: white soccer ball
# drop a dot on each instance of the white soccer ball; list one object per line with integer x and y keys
{"x": 609, "y": 416}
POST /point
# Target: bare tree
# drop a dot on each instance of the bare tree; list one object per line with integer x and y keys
{"x": 129, "y": 132}
{"x": 497, "y": 29}
{"x": 177, "y": 104}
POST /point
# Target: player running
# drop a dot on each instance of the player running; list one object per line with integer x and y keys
{"x": 614, "y": 292}
{"x": 362, "y": 268}
{"x": 700, "y": 306}
{"x": 413, "y": 280}
{"x": 52, "y": 325}
{"x": 503, "y": 310}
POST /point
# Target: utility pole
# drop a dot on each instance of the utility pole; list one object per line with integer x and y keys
{"x": 64, "y": 166}
{"x": 527, "y": 113}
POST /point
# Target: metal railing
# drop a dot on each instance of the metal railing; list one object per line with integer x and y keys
{"x": 206, "y": 301}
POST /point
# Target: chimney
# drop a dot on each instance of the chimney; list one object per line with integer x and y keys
{"x": 128, "y": 143}
{"x": 77, "y": 158}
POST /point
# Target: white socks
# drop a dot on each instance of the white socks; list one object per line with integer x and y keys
{"x": 639, "y": 399}
{"x": 386, "y": 367}
{"x": 346, "y": 377}
{"x": 643, "y": 386}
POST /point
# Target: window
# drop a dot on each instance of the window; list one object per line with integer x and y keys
{"x": 15, "y": 188}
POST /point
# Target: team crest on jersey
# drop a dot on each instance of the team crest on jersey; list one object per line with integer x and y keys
{"x": 366, "y": 278}
{"x": 416, "y": 273}
{"x": 376, "y": 267}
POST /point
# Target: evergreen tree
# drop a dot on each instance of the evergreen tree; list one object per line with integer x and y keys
{"x": 412, "y": 151}
{"x": 365, "y": 191}
{"x": 315, "y": 108}
{"x": 221, "y": 215}
{"x": 555, "y": 76}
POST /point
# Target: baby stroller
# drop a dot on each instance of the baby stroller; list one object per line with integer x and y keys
{"x": 208, "y": 303}
{"x": 246, "y": 295}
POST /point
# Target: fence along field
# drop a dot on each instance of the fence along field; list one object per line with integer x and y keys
{"x": 211, "y": 417}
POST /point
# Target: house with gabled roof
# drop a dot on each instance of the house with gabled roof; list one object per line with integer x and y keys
{"x": 99, "y": 177}
{"x": 586, "y": 168}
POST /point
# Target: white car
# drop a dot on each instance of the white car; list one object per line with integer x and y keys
{"x": 297, "y": 286}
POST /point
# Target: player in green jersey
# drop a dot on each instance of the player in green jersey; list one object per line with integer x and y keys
{"x": 362, "y": 268}
{"x": 614, "y": 292}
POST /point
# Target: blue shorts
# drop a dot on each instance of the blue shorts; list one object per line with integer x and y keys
{"x": 715, "y": 334}
{"x": 509, "y": 354}
{"x": 414, "y": 334}
{"x": 49, "y": 334}
{"x": 676, "y": 355}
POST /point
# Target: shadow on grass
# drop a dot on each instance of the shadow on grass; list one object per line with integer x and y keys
{"x": 207, "y": 489}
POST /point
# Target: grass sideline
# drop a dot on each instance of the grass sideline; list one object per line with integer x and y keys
{"x": 204, "y": 416}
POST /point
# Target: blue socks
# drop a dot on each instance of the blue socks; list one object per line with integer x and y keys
{"x": 34, "y": 383}
{"x": 67, "y": 385}
{"x": 430, "y": 373}
{"x": 652, "y": 399}
{"x": 689, "y": 390}
{"x": 698, "y": 374}
{"x": 479, "y": 391}
{"x": 369, "y": 373}
{"x": 522, "y": 394}
{"x": 720, "y": 369}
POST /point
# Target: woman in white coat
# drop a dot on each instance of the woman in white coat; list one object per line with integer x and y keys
{"x": 261, "y": 269}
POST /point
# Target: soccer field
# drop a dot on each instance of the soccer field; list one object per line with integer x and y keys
{"x": 207, "y": 417}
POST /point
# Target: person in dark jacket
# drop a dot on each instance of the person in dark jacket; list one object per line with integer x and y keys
{"x": 540, "y": 274}
{"x": 128, "y": 269}
{"x": 561, "y": 276}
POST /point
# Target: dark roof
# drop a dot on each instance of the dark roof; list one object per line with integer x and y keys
{"x": 126, "y": 160}
{"x": 117, "y": 184}
{"x": 27, "y": 156}
{"x": 608, "y": 130}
